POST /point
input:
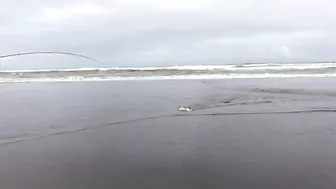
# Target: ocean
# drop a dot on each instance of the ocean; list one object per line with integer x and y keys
{"x": 240, "y": 133}
{"x": 266, "y": 70}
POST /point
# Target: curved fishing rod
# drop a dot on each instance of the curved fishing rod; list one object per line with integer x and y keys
{"x": 48, "y": 52}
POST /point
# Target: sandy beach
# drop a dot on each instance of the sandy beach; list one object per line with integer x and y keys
{"x": 242, "y": 133}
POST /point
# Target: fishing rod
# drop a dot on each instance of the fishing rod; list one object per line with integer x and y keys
{"x": 48, "y": 52}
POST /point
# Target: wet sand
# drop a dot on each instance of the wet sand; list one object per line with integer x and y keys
{"x": 256, "y": 133}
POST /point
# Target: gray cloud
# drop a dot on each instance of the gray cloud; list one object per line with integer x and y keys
{"x": 149, "y": 32}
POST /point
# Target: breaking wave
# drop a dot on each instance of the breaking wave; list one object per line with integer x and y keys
{"x": 271, "y": 70}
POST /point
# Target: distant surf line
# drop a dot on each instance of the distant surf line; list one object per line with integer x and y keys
{"x": 151, "y": 78}
{"x": 224, "y": 67}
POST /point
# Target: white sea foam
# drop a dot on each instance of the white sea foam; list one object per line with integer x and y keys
{"x": 271, "y": 70}
{"x": 183, "y": 77}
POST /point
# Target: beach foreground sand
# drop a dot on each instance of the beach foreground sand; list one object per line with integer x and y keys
{"x": 242, "y": 133}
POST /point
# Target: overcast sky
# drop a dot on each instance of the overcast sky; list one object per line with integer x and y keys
{"x": 170, "y": 32}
